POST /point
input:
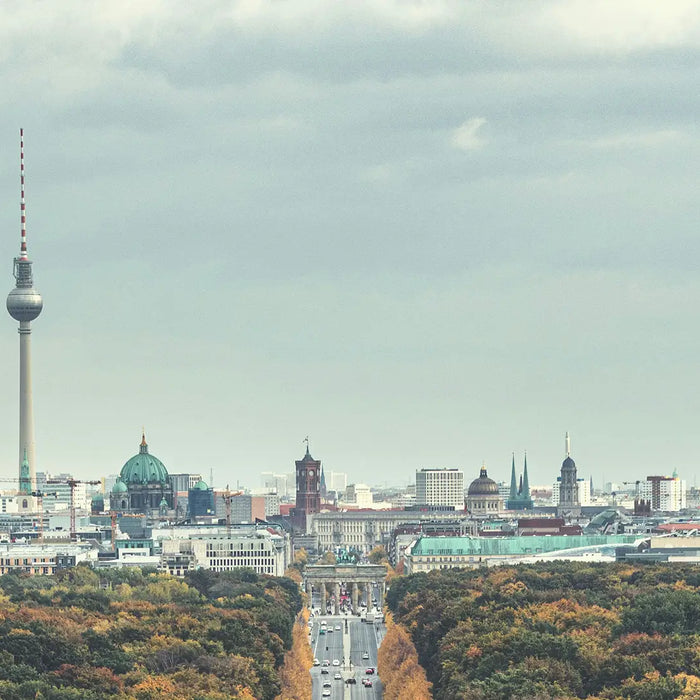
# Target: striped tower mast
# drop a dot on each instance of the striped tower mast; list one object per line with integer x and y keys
{"x": 24, "y": 303}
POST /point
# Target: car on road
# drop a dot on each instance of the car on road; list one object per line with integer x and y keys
{"x": 369, "y": 671}
{"x": 367, "y": 682}
{"x": 326, "y": 693}
{"x": 317, "y": 662}
{"x": 338, "y": 677}
{"x": 322, "y": 631}
{"x": 336, "y": 662}
{"x": 365, "y": 655}
{"x": 351, "y": 681}
{"x": 326, "y": 662}
{"x": 337, "y": 627}
{"x": 329, "y": 630}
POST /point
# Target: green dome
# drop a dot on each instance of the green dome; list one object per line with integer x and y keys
{"x": 144, "y": 468}
{"x": 119, "y": 487}
{"x": 201, "y": 486}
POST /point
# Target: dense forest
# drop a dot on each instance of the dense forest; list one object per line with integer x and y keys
{"x": 135, "y": 635}
{"x": 555, "y": 630}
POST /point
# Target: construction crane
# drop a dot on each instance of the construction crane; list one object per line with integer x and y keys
{"x": 228, "y": 497}
{"x": 627, "y": 483}
{"x": 73, "y": 483}
{"x": 113, "y": 521}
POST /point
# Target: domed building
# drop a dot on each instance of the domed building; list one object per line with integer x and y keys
{"x": 143, "y": 485}
{"x": 483, "y": 497}
{"x": 200, "y": 500}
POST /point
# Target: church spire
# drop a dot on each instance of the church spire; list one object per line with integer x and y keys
{"x": 526, "y": 481}
{"x": 513, "y": 481}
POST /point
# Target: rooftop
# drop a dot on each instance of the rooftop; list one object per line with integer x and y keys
{"x": 512, "y": 546}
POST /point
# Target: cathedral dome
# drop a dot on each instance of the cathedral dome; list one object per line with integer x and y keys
{"x": 201, "y": 486}
{"x": 483, "y": 486}
{"x": 144, "y": 468}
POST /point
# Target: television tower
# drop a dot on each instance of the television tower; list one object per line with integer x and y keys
{"x": 24, "y": 304}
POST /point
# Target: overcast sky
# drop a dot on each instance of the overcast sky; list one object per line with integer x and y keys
{"x": 422, "y": 233}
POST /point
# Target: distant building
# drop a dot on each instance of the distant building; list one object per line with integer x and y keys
{"x": 200, "y": 500}
{"x": 143, "y": 486}
{"x": 483, "y": 497}
{"x": 358, "y": 496}
{"x": 665, "y": 493}
{"x": 244, "y": 508}
{"x": 440, "y": 487}
{"x": 42, "y": 559}
{"x": 278, "y": 482}
{"x": 363, "y": 530}
{"x": 337, "y": 481}
{"x": 308, "y": 494}
{"x": 272, "y": 500}
{"x": 582, "y": 488}
{"x": 569, "y": 503}
{"x": 262, "y": 551}
{"x": 430, "y": 553}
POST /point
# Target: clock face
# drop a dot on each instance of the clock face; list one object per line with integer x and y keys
{"x": 311, "y": 472}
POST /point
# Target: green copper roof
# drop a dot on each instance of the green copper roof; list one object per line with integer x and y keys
{"x": 119, "y": 487}
{"x": 513, "y": 546}
{"x": 144, "y": 468}
{"x": 201, "y": 486}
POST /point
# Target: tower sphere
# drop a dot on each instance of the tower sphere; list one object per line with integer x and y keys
{"x": 24, "y": 303}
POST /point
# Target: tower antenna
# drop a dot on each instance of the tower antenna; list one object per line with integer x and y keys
{"x": 22, "y": 204}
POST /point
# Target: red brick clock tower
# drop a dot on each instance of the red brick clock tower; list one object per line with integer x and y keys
{"x": 308, "y": 501}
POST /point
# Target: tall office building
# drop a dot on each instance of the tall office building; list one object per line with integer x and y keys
{"x": 664, "y": 493}
{"x": 440, "y": 487}
{"x": 24, "y": 304}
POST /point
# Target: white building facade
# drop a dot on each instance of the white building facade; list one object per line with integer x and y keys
{"x": 262, "y": 551}
{"x": 440, "y": 487}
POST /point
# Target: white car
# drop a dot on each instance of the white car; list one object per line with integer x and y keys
{"x": 364, "y": 656}
{"x": 336, "y": 662}
{"x": 337, "y": 677}
{"x": 317, "y": 662}
{"x": 326, "y": 693}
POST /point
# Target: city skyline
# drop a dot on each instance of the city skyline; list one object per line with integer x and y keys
{"x": 407, "y": 230}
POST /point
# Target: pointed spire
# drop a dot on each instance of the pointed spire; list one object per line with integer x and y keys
{"x": 143, "y": 448}
{"x": 513, "y": 482}
{"x": 323, "y": 487}
{"x": 568, "y": 445}
{"x": 526, "y": 480}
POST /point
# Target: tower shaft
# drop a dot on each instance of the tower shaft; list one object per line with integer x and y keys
{"x": 26, "y": 414}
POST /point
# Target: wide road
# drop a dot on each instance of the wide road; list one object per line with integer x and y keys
{"x": 348, "y": 649}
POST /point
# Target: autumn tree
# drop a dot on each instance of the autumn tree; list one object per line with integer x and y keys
{"x": 398, "y": 667}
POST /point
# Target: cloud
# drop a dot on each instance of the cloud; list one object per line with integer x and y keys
{"x": 466, "y": 137}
